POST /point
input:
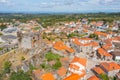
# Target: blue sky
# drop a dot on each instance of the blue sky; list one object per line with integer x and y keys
{"x": 59, "y": 5}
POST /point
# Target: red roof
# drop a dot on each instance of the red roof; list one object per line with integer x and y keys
{"x": 107, "y": 46}
{"x": 98, "y": 70}
{"x": 93, "y": 44}
{"x": 74, "y": 77}
{"x": 86, "y": 39}
{"x": 47, "y": 76}
{"x": 74, "y": 66}
{"x": 62, "y": 71}
{"x": 101, "y": 33}
{"x": 61, "y": 46}
{"x": 101, "y": 51}
{"x": 76, "y": 41}
{"x": 82, "y": 61}
{"x": 110, "y": 66}
{"x": 99, "y": 23}
{"x": 93, "y": 78}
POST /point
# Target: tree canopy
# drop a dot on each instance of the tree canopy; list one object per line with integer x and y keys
{"x": 20, "y": 75}
{"x": 7, "y": 66}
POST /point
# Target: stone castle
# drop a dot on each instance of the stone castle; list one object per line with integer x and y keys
{"x": 29, "y": 40}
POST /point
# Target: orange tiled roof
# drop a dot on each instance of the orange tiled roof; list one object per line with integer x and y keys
{"x": 110, "y": 66}
{"x": 74, "y": 66}
{"x": 86, "y": 39}
{"x": 116, "y": 38}
{"x": 74, "y": 77}
{"x": 88, "y": 44}
{"x": 93, "y": 44}
{"x": 60, "y": 46}
{"x": 101, "y": 33}
{"x": 62, "y": 71}
{"x": 85, "y": 30}
{"x": 70, "y": 49}
{"x": 107, "y": 46}
{"x": 80, "y": 60}
{"x": 99, "y": 23}
{"x": 93, "y": 78}
{"x": 47, "y": 76}
{"x": 93, "y": 23}
{"x": 108, "y": 41}
{"x": 85, "y": 25}
{"x": 98, "y": 70}
{"x": 64, "y": 59}
{"x": 76, "y": 41}
{"x": 101, "y": 51}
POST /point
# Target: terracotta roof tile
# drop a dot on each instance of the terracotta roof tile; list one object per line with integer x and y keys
{"x": 62, "y": 71}
{"x": 101, "y": 33}
{"x": 64, "y": 59}
{"x": 94, "y": 44}
{"x": 101, "y": 51}
{"x": 110, "y": 66}
{"x": 107, "y": 46}
{"x": 93, "y": 23}
{"x": 93, "y": 78}
{"x": 47, "y": 76}
{"x": 74, "y": 66}
{"x": 85, "y": 30}
{"x": 80, "y": 60}
{"x": 86, "y": 39}
{"x": 62, "y": 46}
{"x": 98, "y": 70}
{"x": 99, "y": 23}
{"x": 76, "y": 41}
{"x": 74, "y": 77}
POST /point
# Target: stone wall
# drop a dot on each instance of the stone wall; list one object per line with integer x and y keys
{"x": 8, "y": 48}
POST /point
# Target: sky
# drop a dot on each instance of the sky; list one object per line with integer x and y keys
{"x": 60, "y": 6}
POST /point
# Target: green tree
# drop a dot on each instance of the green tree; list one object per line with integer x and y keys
{"x": 51, "y": 56}
{"x": 45, "y": 66}
{"x": 20, "y": 75}
{"x": 57, "y": 65}
{"x": 32, "y": 67}
{"x": 104, "y": 77}
{"x": 1, "y": 75}
{"x": 94, "y": 36}
{"x": 7, "y": 66}
{"x": 3, "y": 27}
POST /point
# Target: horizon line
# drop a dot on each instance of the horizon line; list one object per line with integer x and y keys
{"x": 36, "y": 12}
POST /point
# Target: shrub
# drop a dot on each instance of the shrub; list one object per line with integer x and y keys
{"x": 50, "y": 56}
{"x": 57, "y": 65}
{"x": 7, "y": 66}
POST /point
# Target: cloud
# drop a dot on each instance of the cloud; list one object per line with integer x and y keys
{"x": 110, "y": 2}
{"x": 4, "y": 1}
{"x": 60, "y": 5}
